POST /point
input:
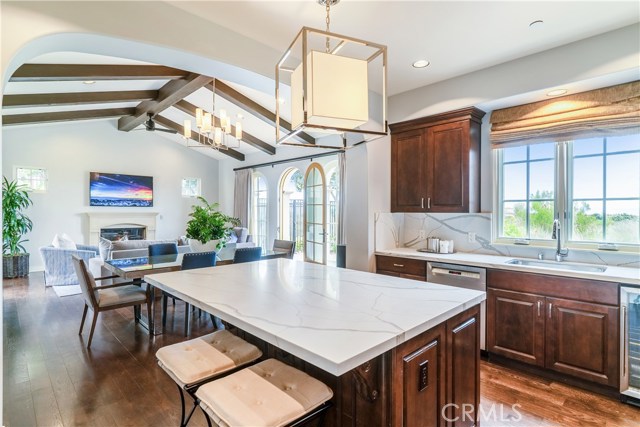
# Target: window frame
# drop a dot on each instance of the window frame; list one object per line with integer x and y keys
{"x": 32, "y": 168}
{"x": 563, "y": 209}
{"x": 199, "y": 187}
{"x": 254, "y": 226}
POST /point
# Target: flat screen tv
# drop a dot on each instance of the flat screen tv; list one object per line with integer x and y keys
{"x": 111, "y": 189}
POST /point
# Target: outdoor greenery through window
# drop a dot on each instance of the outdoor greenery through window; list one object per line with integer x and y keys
{"x": 34, "y": 178}
{"x": 191, "y": 187}
{"x": 259, "y": 211}
{"x": 601, "y": 196}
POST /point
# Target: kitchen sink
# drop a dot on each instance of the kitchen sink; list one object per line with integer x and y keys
{"x": 557, "y": 265}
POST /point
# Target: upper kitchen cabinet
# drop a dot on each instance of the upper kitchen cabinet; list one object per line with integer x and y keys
{"x": 435, "y": 163}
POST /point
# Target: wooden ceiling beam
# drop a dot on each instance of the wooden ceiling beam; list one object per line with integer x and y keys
{"x": 169, "y": 94}
{"x": 64, "y": 116}
{"x": 81, "y": 72}
{"x": 264, "y": 114}
{"x": 77, "y": 98}
{"x": 194, "y": 136}
{"x": 189, "y": 108}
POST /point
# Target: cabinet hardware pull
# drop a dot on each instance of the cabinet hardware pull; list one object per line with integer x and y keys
{"x": 550, "y": 310}
{"x": 398, "y": 265}
{"x": 428, "y": 202}
{"x": 625, "y": 354}
{"x": 539, "y": 304}
{"x": 422, "y": 203}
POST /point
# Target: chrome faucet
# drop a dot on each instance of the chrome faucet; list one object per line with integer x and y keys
{"x": 560, "y": 252}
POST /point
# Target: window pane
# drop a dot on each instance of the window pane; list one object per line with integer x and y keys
{"x": 514, "y": 154}
{"x": 622, "y": 221}
{"x": 542, "y": 151}
{"x": 23, "y": 174}
{"x": 587, "y": 221}
{"x": 587, "y": 178}
{"x": 623, "y": 143}
{"x": 541, "y": 215}
{"x": 623, "y": 175}
{"x": 514, "y": 181}
{"x": 542, "y": 179}
{"x": 588, "y": 146}
{"x": 514, "y": 220}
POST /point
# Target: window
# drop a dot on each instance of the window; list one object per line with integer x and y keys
{"x": 594, "y": 183}
{"x": 34, "y": 178}
{"x": 259, "y": 211}
{"x": 191, "y": 187}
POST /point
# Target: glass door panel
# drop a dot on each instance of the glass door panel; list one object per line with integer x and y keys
{"x": 315, "y": 245}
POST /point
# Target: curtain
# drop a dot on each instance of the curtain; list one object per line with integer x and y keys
{"x": 342, "y": 190}
{"x": 242, "y": 196}
{"x": 613, "y": 110}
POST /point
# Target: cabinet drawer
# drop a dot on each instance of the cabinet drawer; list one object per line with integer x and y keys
{"x": 403, "y": 266}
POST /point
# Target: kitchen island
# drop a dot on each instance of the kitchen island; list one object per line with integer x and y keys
{"x": 394, "y": 351}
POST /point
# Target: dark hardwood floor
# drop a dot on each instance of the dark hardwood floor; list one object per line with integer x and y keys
{"x": 51, "y": 379}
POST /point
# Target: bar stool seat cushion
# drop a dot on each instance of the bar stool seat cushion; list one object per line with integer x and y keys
{"x": 269, "y": 393}
{"x": 204, "y": 357}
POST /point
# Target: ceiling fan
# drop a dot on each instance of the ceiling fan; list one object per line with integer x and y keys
{"x": 150, "y": 125}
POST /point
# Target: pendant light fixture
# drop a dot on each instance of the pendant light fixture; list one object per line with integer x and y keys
{"x": 214, "y": 132}
{"x": 336, "y": 85}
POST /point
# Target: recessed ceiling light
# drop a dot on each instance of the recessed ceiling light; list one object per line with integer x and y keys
{"x": 421, "y": 63}
{"x": 557, "y": 92}
{"x": 539, "y": 23}
{"x": 89, "y": 82}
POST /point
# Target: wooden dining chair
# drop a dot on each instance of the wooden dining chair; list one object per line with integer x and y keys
{"x": 247, "y": 255}
{"x": 108, "y": 297}
{"x": 286, "y": 246}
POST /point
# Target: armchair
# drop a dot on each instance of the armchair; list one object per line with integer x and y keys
{"x": 58, "y": 264}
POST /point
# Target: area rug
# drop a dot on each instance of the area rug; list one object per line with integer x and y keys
{"x": 65, "y": 291}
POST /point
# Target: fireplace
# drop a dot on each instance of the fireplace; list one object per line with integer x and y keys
{"x": 123, "y": 233}
{"x": 118, "y": 223}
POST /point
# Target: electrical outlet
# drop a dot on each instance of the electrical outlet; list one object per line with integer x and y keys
{"x": 423, "y": 234}
{"x": 471, "y": 237}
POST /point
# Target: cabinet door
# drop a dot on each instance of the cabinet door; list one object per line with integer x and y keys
{"x": 448, "y": 167}
{"x": 408, "y": 173}
{"x": 582, "y": 340}
{"x": 515, "y": 325}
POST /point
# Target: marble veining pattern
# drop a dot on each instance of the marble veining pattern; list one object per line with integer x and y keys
{"x": 333, "y": 318}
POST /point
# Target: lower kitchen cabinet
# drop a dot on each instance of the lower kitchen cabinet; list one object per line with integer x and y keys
{"x": 576, "y": 338}
{"x": 406, "y": 268}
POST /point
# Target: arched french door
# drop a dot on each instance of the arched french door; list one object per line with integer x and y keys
{"x": 291, "y": 210}
{"x": 315, "y": 217}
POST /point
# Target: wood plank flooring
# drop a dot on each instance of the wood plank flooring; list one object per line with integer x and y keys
{"x": 51, "y": 379}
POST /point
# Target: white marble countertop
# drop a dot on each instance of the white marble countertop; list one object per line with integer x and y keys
{"x": 612, "y": 273}
{"x": 333, "y": 318}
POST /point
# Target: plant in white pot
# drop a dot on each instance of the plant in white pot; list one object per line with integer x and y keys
{"x": 15, "y": 224}
{"x": 209, "y": 228}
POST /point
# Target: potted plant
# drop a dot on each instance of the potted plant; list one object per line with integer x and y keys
{"x": 15, "y": 224}
{"x": 209, "y": 228}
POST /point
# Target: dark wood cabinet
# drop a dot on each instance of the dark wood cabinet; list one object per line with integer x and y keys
{"x": 401, "y": 267}
{"x": 561, "y": 324}
{"x": 435, "y": 163}
{"x": 516, "y": 326}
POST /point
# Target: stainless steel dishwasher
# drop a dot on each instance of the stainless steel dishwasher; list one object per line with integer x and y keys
{"x": 462, "y": 276}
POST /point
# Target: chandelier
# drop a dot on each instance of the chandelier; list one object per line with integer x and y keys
{"x": 213, "y": 131}
{"x": 337, "y": 87}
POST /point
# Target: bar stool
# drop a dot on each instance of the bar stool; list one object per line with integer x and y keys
{"x": 268, "y": 393}
{"x": 194, "y": 362}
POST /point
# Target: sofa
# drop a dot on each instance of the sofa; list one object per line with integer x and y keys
{"x": 58, "y": 267}
{"x": 241, "y": 238}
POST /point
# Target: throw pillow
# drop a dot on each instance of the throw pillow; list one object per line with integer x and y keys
{"x": 183, "y": 241}
{"x": 105, "y": 247}
{"x": 241, "y": 233}
{"x": 63, "y": 241}
{"x": 233, "y": 238}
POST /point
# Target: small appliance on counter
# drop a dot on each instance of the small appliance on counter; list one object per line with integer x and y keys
{"x": 436, "y": 245}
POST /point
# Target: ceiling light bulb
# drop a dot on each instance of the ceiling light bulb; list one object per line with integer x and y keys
{"x": 421, "y": 63}
{"x": 89, "y": 82}
{"x": 557, "y": 92}
{"x": 187, "y": 129}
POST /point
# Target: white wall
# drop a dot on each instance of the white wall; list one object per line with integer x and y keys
{"x": 70, "y": 151}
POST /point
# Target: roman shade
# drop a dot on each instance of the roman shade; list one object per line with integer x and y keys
{"x": 613, "y": 110}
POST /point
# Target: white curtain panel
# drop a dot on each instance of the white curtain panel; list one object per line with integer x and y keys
{"x": 342, "y": 196}
{"x": 242, "y": 196}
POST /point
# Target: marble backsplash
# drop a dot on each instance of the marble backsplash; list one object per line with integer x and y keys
{"x": 394, "y": 230}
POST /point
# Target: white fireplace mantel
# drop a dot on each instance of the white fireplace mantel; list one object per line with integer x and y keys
{"x": 99, "y": 220}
